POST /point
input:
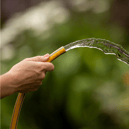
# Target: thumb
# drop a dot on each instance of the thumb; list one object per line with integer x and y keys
{"x": 40, "y": 58}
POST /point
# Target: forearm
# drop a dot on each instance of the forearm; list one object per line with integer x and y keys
{"x": 6, "y": 86}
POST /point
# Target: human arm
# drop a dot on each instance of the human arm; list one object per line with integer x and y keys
{"x": 25, "y": 76}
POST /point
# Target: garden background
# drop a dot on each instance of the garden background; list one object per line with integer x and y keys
{"x": 86, "y": 90}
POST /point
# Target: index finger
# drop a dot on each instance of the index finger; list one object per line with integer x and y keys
{"x": 48, "y": 66}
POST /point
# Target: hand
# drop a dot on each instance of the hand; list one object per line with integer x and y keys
{"x": 27, "y": 75}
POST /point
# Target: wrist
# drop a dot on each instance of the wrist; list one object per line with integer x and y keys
{"x": 11, "y": 81}
{"x": 7, "y": 87}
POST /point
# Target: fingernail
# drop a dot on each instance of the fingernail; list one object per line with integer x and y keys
{"x": 46, "y": 55}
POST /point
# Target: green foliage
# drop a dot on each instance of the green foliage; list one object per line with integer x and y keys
{"x": 85, "y": 90}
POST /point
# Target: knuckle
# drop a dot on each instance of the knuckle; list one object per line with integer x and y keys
{"x": 42, "y": 67}
{"x": 52, "y": 67}
{"x": 37, "y": 74}
{"x": 40, "y": 83}
{"x": 38, "y": 57}
{"x": 39, "y": 67}
{"x": 26, "y": 59}
{"x": 43, "y": 75}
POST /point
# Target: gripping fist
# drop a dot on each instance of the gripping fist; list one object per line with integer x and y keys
{"x": 26, "y": 76}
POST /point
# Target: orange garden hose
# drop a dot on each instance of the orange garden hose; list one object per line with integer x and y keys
{"x": 21, "y": 96}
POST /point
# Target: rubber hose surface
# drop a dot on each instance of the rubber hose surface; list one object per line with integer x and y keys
{"x": 21, "y": 96}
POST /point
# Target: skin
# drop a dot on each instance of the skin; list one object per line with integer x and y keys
{"x": 25, "y": 76}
